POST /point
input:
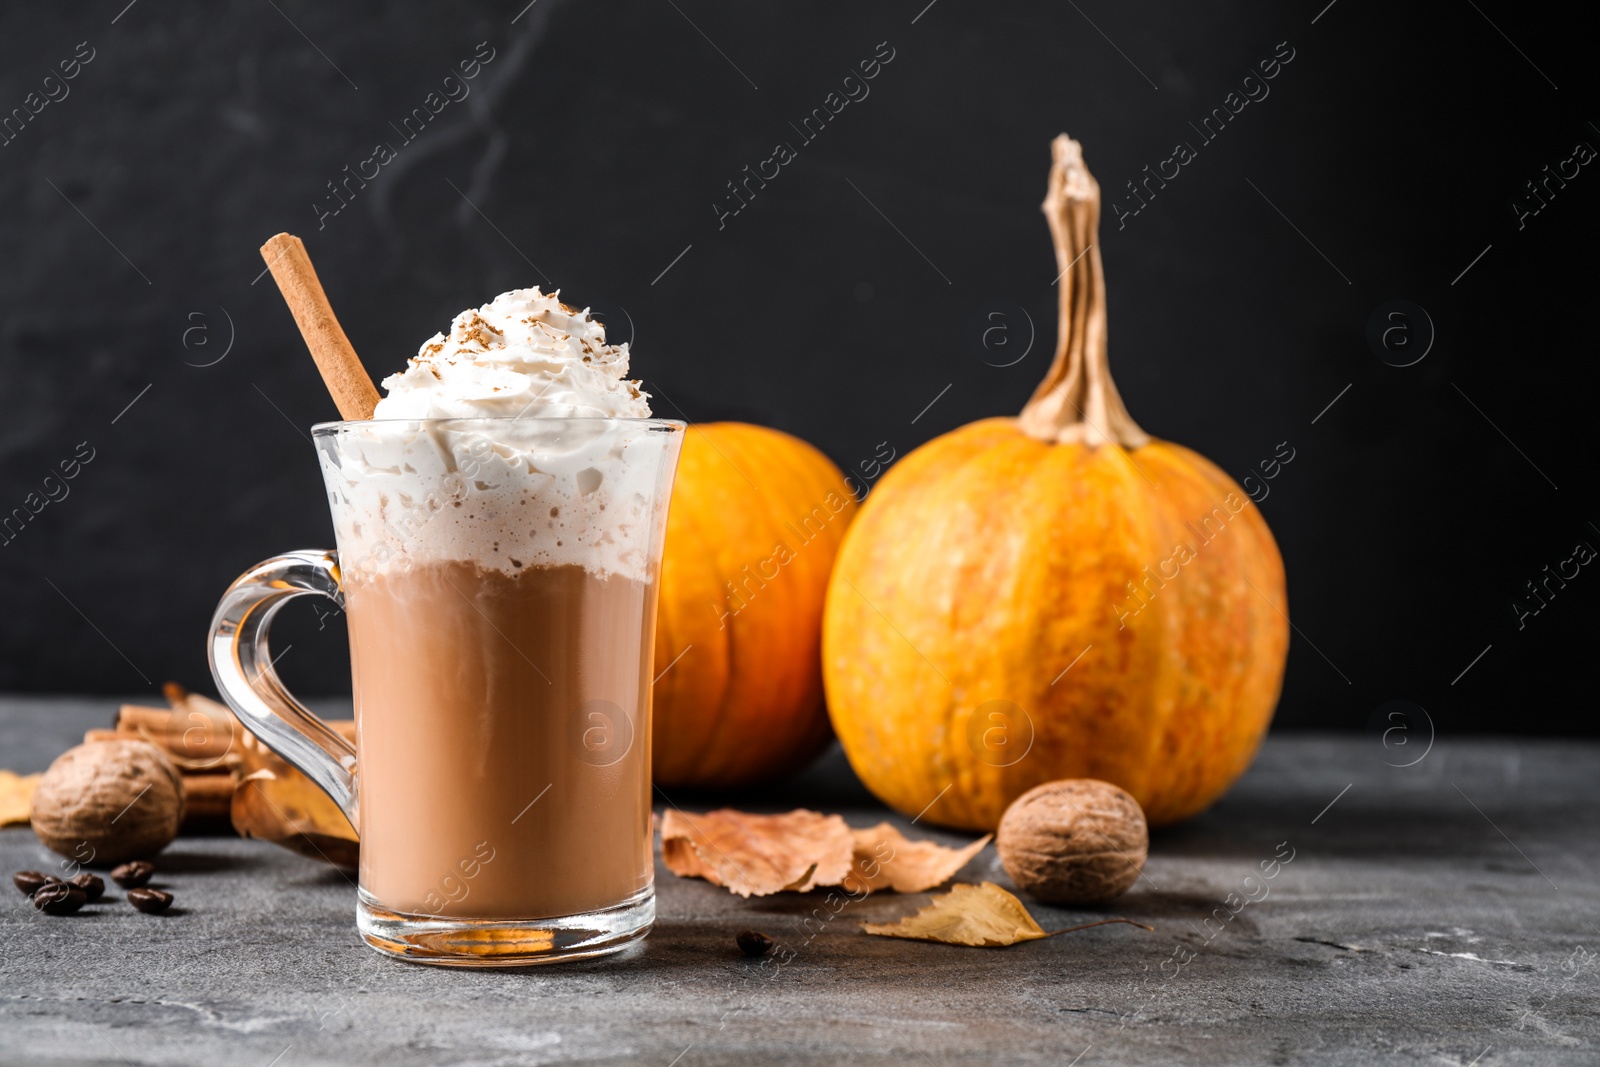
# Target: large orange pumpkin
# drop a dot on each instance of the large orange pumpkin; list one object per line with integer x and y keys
{"x": 757, "y": 517}
{"x": 1056, "y": 595}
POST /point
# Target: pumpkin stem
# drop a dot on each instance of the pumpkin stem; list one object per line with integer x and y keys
{"x": 1077, "y": 401}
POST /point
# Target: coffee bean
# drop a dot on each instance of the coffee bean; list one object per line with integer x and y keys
{"x": 93, "y": 886}
{"x": 31, "y": 881}
{"x": 59, "y": 898}
{"x": 133, "y": 875}
{"x": 754, "y": 943}
{"x": 150, "y": 901}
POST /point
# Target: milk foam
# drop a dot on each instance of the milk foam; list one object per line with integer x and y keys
{"x": 559, "y": 476}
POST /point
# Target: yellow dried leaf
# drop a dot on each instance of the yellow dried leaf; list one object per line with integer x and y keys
{"x": 289, "y": 810}
{"x": 16, "y": 797}
{"x": 983, "y": 915}
{"x": 967, "y": 915}
{"x": 886, "y": 859}
{"x": 757, "y": 855}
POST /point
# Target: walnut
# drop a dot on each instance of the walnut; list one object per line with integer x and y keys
{"x": 108, "y": 801}
{"x": 1078, "y": 841}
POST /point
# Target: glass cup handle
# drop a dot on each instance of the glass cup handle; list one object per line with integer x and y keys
{"x": 241, "y": 665}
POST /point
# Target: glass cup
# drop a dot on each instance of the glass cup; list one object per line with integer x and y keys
{"x": 499, "y": 576}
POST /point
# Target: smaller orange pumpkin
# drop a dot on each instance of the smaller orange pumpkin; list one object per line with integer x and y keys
{"x": 757, "y": 517}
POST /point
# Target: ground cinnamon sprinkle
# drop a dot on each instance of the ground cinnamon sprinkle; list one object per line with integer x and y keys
{"x": 477, "y": 330}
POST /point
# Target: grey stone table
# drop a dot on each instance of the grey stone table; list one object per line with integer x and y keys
{"x": 1443, "y": 913}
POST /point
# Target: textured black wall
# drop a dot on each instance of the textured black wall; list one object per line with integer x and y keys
{"x": 592, "y": 153}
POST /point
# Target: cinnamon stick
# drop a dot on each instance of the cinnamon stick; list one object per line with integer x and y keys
{"x": 187, "y": 738}
{"x": 193, "y": 733}
{"x": 134, "y": 716}
{"x": 207, "y": 801}
{"x": 347, "y": 380}
{"x": 209, "y": 747}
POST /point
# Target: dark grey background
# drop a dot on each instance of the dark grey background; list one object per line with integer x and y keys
{"x": 839, "y": 303}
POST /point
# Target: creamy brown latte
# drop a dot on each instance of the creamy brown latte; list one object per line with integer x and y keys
{"x": 504, "y": 738}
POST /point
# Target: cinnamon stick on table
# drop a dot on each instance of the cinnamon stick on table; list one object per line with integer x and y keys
{"x": 341, "y": 368}
{"x": 188, "y": 736}
{"x": 191, "y": 734}
{"x": 206, "y": 742}
{"x": 207, "y": 801}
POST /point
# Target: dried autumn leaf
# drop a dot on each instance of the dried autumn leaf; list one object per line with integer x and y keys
{"x": 983, "y": 915}
{"x": 290, "y": 811}
{"x": 255, "y": 755}
{"x": 757, "y": 855}
{"x": 967, "y": 915}
{"x": 16, "y": 797}
{"x": 886, "y": 859}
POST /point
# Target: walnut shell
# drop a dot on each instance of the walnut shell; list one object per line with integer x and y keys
{"x": 1078, "y": 841}
{"x": 106, "y": 802}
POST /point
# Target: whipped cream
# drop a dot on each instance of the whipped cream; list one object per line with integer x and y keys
{"x": 524, "y": 353}
{"x": 567, "y": 474}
